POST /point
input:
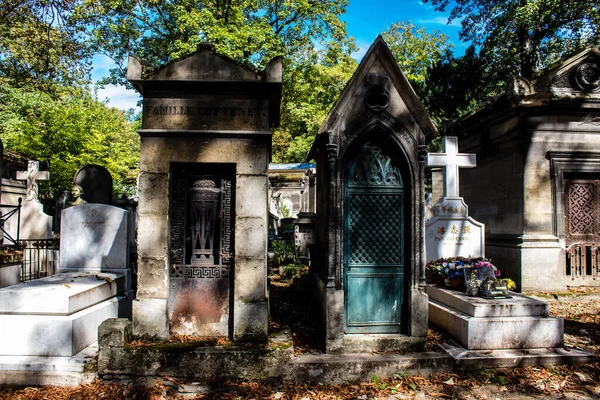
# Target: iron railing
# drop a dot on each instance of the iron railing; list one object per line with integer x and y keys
{"x": 583, "y": 261}
{"x": 40, "y": 258}
{"x": 13, "y": 211}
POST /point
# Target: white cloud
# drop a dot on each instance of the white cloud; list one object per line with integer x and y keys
{"x": 101, "y": 65}
{"x": 428, "y": 6}
{"x": 439, "y": 21}
{"x": 119, "y": 97}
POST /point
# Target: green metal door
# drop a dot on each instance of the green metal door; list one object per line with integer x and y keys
{"x": 374, "y": 243}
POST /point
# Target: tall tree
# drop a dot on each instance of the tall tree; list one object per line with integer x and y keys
{"x": 415, "y": 49}
{"x": 69, "y": 130}
{"x": 522, "y": 36}
{"x": 307, "y": 33}
{"x": 41, "y": 44}
{"x": 249, "y": 31}
{"x": 417, "y": 53}
{"x": 313, "y": 80}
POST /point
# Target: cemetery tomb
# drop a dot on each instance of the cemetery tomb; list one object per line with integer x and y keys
{"x": 203, "y": 196}
{"x": 369, "y": 252}
{"x": 486, "y": 319}
{"x": 481, "y": 324}
{"x": 535, "y": 186}
{"x": 59, "y": 315}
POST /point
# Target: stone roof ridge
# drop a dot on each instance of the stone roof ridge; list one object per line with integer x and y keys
{"x": 204, "y": 64}
{"x": 380, "y": 52}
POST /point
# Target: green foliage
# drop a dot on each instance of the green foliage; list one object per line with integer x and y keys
{"x": 69, "y": 130}
{"x": 290, "y": 270}
{"x": 285, "y": 252}
{"x": 521, "y": 37}
{"x": 415, "y": 50}
{"x": 313, "y": 80}
{"x": 421, "y": 55}
{"x": 41, "y": 44}
{"x": 248, "y": 31}
{"x": 285, "y": 211}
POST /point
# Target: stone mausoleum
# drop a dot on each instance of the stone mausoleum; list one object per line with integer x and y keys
{"x": 203, "y": 200}
{"x": 537, "y": 181}
{"x": 369, "y": 255}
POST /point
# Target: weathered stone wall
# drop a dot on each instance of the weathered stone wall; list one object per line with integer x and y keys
{"x": 203, "y": 112}
{"x": 512, "y": 191}
{"x": 251, "y": 159}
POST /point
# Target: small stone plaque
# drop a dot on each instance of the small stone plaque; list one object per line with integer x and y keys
{"x": 452, "y": 237}
{"x": 94, "y": 237}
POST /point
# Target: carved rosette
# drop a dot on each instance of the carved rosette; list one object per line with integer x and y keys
{"x": 587, "y": 77}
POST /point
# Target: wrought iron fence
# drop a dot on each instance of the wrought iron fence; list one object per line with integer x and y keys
{"x": 582, "y": 261}
{"x": 40, "y": 258}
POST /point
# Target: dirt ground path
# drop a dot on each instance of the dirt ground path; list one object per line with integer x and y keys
{"x": 580, "y": 307}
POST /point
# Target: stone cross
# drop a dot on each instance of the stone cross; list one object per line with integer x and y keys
{"x": 32, "y": 175}
{"x": 451, "y": 160}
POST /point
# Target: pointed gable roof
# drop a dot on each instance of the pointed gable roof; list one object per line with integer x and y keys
{"x": 380, "y": 54}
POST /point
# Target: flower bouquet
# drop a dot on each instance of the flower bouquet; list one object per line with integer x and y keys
{"x": 457, "y": 271}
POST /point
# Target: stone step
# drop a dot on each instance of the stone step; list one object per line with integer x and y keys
{"x": 497, "y": 332}
{"x": 518, "y": 306}
{"x": 61, "y": 294}
{"x": 55, "y": 335}
{"x": 481, "y": 359}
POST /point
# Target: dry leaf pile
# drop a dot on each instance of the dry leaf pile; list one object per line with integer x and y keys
{"x": 581, "y": 311}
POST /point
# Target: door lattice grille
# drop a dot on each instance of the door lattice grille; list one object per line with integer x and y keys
{"x": 375, "y": 229}
{"x": 581, "y": 209}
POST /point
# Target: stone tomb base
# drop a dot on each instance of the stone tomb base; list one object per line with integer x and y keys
{"x": 58, "y": 315}
{"x": 480, "y": 324}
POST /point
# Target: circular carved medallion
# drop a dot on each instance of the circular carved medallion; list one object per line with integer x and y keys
{"x": 587, "y": 76}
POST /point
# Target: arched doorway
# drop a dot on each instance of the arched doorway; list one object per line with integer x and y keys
{"x": 374, "y": 242}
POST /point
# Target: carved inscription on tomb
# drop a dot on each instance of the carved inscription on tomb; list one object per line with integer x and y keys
{"x": 204, "y": 114}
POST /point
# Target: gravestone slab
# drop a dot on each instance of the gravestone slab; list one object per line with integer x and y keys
{"x": 454, "y": 236}
{"x": 55, "y": 335}
{"x": 61, "y": 294}
{"x": 478, "y": 324}
{"x": 96, "y": 183}
{"x": 10, "y": 274}
{"x": 94, "y": 237}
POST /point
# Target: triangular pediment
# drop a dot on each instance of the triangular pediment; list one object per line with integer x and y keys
{"x": 378, "y": 88}
{"x": 577, "y": 74}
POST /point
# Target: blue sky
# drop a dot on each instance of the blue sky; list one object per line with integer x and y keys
{"x": 365, "y": 20}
